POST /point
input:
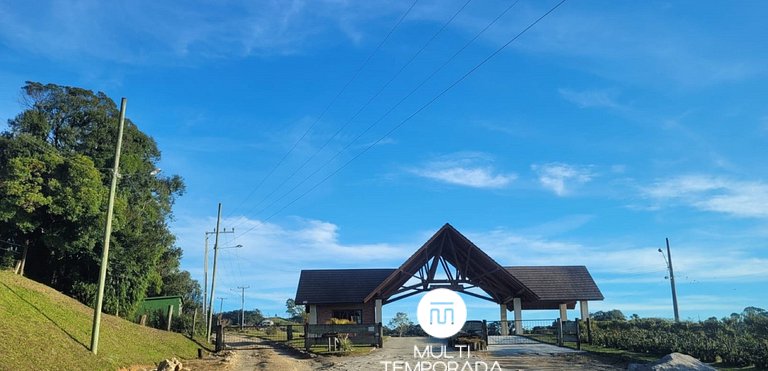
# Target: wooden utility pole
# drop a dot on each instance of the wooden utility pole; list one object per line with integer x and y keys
{"x": 213, "y": 275}
{"x": 242, "y": 304}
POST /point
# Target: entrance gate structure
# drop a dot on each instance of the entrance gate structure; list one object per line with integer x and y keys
{"x": 447, "y": 260}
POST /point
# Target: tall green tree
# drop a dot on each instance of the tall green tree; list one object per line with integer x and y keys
{"x": 55, "y": 164}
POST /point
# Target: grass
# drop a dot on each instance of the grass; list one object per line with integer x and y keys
{"x": 43, "y": 329}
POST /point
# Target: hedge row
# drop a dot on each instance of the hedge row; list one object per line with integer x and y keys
{"x": 739, "y": 340}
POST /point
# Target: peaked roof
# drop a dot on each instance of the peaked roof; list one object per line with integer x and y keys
{"x": 558, "y": 282}
{"x": 471, "y": 263}
{"x": 338, "y": 285}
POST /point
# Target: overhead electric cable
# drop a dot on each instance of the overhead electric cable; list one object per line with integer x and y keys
{"x": 396, "y": 105}
{"x": 333, "y": 101}
{"x": 411, "y": 116}
{"x": 364, "y": 106}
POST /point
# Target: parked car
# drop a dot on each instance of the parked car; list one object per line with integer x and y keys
{"x": 471, "y": 334}
{"x": 266, "y": 323}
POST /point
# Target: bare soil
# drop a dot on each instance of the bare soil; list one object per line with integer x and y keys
{"x": 398, "y": 349}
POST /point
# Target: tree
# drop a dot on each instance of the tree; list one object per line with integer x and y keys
{"x": 400, "y": 323}
{"x": 54, "y": 175}
{"x": 611, "y": 315}
{"x": 296, "y": 312}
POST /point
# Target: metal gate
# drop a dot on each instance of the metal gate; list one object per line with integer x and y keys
{"x": 255, "y": 337}
{"x": 530, "y": 332}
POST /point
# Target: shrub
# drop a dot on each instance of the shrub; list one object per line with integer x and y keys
{"x": 738, "y": 340}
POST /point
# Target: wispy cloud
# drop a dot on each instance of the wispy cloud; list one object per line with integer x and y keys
{"x": 561, "y": 178}
{"x": 467, "y": 169}
{"x": 713, "y": 193}
{"x": 143, "y": 32}
{"x": 621, "y": 263}
{"x": 590, "y": 98}
{"x": 273, "y": 254}
{"x": 641, "y": 45}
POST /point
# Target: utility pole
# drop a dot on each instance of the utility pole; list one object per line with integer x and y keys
{"x": 213, "y": 276}
{"x": 668, "y": 260}
{"x": 205, "y": 270}
{"x": 242, "y": 305}
{"x": 221, "y": 306}
{"x": 107, "y": 233}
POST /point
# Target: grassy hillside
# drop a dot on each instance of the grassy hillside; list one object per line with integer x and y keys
{"x": 41, "y": 329}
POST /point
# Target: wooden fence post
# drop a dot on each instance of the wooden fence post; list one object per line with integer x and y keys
{"x": 578, "y": 334}
{"x": 559, "y": 332}
{"x": 219, "y": 337}
{"x": 306, "y": 337}
{"x": 170, "y": 317}
{"x": 380, "y": 335}
{"x": 589, "y": 331}
{"x": 194, "y": 321}
{"x": 289, "y": 333}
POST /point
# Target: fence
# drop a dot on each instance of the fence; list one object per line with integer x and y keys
{"x": 338, "y": 337}
{"x": 253, "y": 337}
{"x": 535, "y": 331}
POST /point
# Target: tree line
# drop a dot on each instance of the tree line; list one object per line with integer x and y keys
{"x": 55, "y": 168}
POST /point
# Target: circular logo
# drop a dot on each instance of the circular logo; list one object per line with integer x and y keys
{"x": 441, "y": 313}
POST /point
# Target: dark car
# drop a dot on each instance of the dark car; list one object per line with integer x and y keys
{"x": 470, "y": 334}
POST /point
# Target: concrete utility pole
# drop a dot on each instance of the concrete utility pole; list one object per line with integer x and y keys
{"x": 242, "y": 304}
{"x": 107, "y": 233}
{"x": 205, "y": 271}
{"x": 213, "y": 276}
{"x": 668, "y": 259}
{"x": 221, "y": 306}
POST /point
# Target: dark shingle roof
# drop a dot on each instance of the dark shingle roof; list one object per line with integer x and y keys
{"x": 338, "y": 285}
{"x": 558, "y": 283}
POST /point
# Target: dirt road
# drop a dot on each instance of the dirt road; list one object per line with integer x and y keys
{"x": 509, "y": 357}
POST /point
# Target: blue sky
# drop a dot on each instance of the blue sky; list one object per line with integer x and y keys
{"x": 605, "y": 128}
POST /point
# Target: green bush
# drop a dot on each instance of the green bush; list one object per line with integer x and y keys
{"x": 738, "y": 340}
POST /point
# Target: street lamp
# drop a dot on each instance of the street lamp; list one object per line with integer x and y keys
{"x": 668, "y": 261}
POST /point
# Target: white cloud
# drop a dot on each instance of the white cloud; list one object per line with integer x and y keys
{"x": 467, "y": 169}
{"x": 155, "y": 32}
{"x": 590, "y": 98}
{"x": 273, "y": 255}
{"x": 712, "y": 193}
{"x": 560, "y": 178}
{"x": 622, "y": 263}
{"x": 639, "y": 45}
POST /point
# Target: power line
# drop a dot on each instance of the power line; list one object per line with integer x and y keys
{"x": 366, "y": 104}
{"x": 419, "y": 110}
{"x": 333, "y": 101}
{"x": 391, "y": 109}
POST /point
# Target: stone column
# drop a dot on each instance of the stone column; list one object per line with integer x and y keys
{"x": 377, "y": 316}
{"x": 563, "y": 312}
{"x": 517, "y": 305}
{"x": 503, "y": 317}
{"x": 313, "y": 314}
{"x": 584, "y": 306}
